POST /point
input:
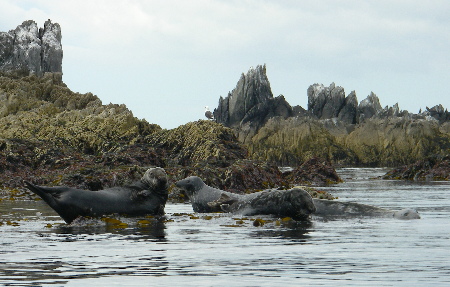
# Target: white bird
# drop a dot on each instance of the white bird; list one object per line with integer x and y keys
{"x": 208, "y": 113}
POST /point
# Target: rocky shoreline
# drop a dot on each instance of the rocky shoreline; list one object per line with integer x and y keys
{"x": 51, "y": 136}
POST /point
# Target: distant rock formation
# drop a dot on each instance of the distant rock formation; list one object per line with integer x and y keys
{"x": 325, "y": 102}
{"x": 334, "y": 127}
{"x": 251, "y": 103}
{"x": 31, "y": 50}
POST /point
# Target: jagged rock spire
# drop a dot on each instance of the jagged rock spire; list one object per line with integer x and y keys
{"x": 31, "y": 50}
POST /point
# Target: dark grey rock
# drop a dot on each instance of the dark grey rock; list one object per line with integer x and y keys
{"x": 30, "y": 50}
{"x": 369, "y": 107}
{"x": 251, "y": 103}
{"x": 348, "y": 113}
{"x": 438, "y": 113}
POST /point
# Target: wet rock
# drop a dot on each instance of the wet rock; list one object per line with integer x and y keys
{"x": 430, "y": 168}
{"x": 314, "y": 171}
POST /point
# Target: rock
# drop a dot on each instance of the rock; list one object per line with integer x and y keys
{"x": 396, "y": 141}
{"x": 292, "y": 141}
{"x": 29, "y": 50}
{"x": 438, "y": 113}
{"x": 251, "y": 90}
{"x": 325, "y": 103}
{"x": 45, "y": 109}
{"x": 348, "y": 113}
{"x": 369, "y": 107}
{"x": 198, "y": 141}
{"x": 334, "y": 127}
{"x": 314, "y": 171}
{"x": 430, "y": 168}
{"x": 250, "y": 104}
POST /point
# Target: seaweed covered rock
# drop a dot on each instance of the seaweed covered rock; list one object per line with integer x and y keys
{"x": 430, "y": 168}
{"x": 52, "y": 163}
{"x": 292, "y": 141}
{"x": 45, "y": 109}
{"x": 198, "y": 141}
{"x": 314, "y": 171}
{"x": 396, "y": 141}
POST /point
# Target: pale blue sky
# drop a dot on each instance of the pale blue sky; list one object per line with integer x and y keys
{"x": 167, "y": 59}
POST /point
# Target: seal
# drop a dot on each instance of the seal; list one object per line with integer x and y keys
{"x": 333, "y": 208}
{"x": 296, "y": 203}
{"x": 146, "y": 196}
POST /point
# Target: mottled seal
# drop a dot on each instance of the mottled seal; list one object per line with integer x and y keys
{"x": 333, "y": 208}
{"x": 295, "y": 203}
{"x": 147, "y": 196}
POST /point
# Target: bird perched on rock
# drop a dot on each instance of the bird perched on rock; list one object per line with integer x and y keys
{"x": 208, "y": 114}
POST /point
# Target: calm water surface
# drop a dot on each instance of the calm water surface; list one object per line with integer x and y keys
{"x": 188, "y": 249}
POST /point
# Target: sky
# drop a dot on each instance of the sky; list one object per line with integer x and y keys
{"x": 166, "y": 60}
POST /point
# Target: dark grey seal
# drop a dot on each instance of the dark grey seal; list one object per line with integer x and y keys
{"x": 333, "y": 208}
{"x": 147, "y": 196}
{"x": 295, "y": 203}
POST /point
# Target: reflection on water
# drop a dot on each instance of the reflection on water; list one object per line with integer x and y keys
{"x": 38, "y": 248}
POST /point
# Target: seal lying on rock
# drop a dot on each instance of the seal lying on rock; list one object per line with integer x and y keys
{"x": 295, "y": 203}
{"x": 147, "y": 196}
{"x": 332, "y": 208}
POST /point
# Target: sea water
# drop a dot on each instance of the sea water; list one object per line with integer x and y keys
{"x": 188, "y": 249}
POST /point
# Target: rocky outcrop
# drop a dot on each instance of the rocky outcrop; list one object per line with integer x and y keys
{"x": 314, "y": 171}
{"x": 31, "y": 50}
{"x": 430, "y": 168}
{"x": 437, "y": 112}
{"x": 292, "y": 141}
{"x": 198, "y": 141}
{"x": 250, "y": 104}
{"x": 330, "y": 102}
{"x": 335, "y": 127}
{"x": 369, "y": 107}
{"x": 45, "y": 109}
{"x": 396, "y": 141}
{"x": 50, "y": 135}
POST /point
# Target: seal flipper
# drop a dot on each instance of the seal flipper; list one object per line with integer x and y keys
{"x": 223, "y": 203}
{"x": 47, "y": 194}
{"x": 51, "y": 195}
